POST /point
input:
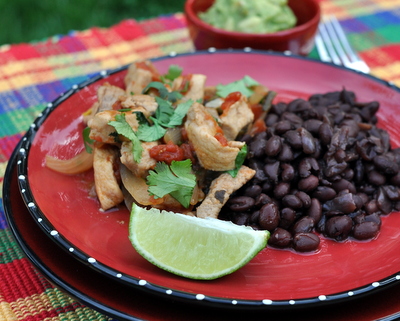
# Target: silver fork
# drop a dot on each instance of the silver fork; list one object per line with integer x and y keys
{"x": 333, "y": 46}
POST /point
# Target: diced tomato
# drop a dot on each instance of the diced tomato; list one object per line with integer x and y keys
{"x": 188, "y": 152}
{"x": 117, "y": 105}
{"x": 167, "y": 153}
{"x": 230, "y": 100}
{"x": 257, "y": 110}
{"x": 258, "y": 127}
{"x": 221, "y": 138}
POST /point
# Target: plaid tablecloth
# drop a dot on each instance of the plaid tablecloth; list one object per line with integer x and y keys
{"x": 33, "y": 74}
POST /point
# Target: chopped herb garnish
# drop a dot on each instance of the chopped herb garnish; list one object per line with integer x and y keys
{"x": 172, "y": 96}
{"x": 174, "y": 71}
{"x": 240, "y": 158}
{"x": 176, "y": 180}
{"x": 242, "y": 85}
{"x": 123, "y": 128}
{"x": 87, "y": 141}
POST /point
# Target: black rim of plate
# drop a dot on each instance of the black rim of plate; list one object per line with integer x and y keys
{"x": 29, "y": 200}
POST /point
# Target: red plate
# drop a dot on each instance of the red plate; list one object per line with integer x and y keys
{"x": 62, "y": 207}
{"x": 127, "y": 303}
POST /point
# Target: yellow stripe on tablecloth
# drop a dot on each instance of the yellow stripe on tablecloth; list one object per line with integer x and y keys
{"x": 389, "y": 72}
{"x": 37, "y": 71}
{"x": 6, "y": 313}
{"x": 343, "y": 9}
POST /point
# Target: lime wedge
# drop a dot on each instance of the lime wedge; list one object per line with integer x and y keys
{"x": 192, "y": 247}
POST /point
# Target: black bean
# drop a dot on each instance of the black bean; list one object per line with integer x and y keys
{"x": 254, "y": 217}
{"x": 279, "y": 108}
{"x": 293, "y": 118}
{"x": 343, "y": 184}
{"x": 383, "y": 202}
{"x": 373, "y": 218}
{"x": 272, "y": 171}
{"x": 392, "y": 192}
{"x": 312, "y": 125}
{"x": 241, "y": 203}
{"x": 283, "y": 126}
{"x": 306, "y": 242}
{"x": 307, "y": 165}
{"x": 339, "y": 227}
{"x": 281, "y": 190}
{"x": 262, "y": 199}
{"x": 253, "y": 191}
{"x": 385, "y": 165}
{"x": 304, "y": 225}
{"x": 343, "y": 203}
{"x": 307, "y": 141}
{"x": 325, "y": 133}
{"x": 280, "y": 238}
{"x": 292, "y": 201}
{"x": 240, "y": 218}
{"x": 287, "y": 216}
{"x": 286, "y": 154}
{"x": 273, "y": 146}
{"x": 308, "y": 184}
{"x": 376, "y": 178}
{"x": 271, "y": 119}
{"x": 315, "y": 210}
{"x": 324, "y": 193}
{"x": 365, "y": 230}
{"x": 304, "y": 198}
{"x": 269, "y": 217}
{"x": 372, "y": 207}
{"x": 257, "y": 147}
{"x": 293, "y": 138}
{"x": 288, "y": 172}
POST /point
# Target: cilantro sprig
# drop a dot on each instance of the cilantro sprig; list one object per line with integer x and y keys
{"x": 240, "y": 158}
{"x": 176, "y": 180}
{"x": 123, "y": 128}
{"x": 165, "y": 117}
{"x": 87, "y": 141}
{"x": 242, "y": 85}
{"x": 174, "y": 71}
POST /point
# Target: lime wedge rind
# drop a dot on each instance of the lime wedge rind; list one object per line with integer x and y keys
{"x": 196, "y": 248}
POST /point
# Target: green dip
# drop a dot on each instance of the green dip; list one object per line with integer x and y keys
{"x": 250, "y": 16}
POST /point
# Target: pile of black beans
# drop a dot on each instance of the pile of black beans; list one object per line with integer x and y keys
{"x": 323, "y": 168}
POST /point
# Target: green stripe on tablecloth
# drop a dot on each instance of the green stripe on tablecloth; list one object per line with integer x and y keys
{"x": 366, "y": 41}
{"x": 390, "y": 33}
{"x": 9, "y": 248}
{"x": 17, "y": 121}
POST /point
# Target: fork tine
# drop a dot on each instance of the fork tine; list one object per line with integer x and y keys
{"x": 328, "y": 44}
{"x": 336, "y": 41}
{"x": 346, "y": 45}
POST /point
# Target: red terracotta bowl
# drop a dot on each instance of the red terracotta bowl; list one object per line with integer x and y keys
{"x": 297, "y": 40}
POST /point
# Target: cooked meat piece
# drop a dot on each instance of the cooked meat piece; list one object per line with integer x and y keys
{"x": 146, "y": 162}
{"x": 236, "y": 117}
{"x": 105, "y": 160}
{"x": 107, "y": 95}
{"x": 221, "y": 189}
{"x": 140, "y": 101}
{"x": 195, "y": 88}
{"x": 201, "y": 129}
{"x": 139, "y": 75}
{"x": 102, "y": 132}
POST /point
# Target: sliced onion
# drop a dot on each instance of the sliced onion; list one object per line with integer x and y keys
{"x": 75, "y": 165}
{"x": 137, "y": 187}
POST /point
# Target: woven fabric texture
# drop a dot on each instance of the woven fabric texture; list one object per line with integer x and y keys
{"x": 34, "y": 74}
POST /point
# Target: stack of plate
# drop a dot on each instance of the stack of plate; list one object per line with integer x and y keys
{"x": 90, "y": 256}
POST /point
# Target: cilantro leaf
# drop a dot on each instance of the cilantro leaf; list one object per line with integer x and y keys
{"x": 123, "y": 128}
{"x": 164, "y": 110}
{"x": 242, "y": 85}
{"x": 176, "y": 180}
{"x": 172, "y": 96}
{"x": 179, "y": 113}
{"x": 174, "y": 71}
{"x": 240, "y": 158}
{"x": 87, "y": 141}
{"x": 149, "y": 133}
